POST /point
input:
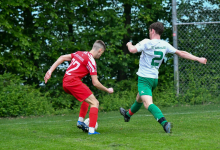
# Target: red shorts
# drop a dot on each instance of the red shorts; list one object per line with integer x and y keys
{"x": 78, "y": 89}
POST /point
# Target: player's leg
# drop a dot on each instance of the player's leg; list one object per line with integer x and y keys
{"x": 134, "y": 108}
{"x": 147, "y": 99}
{"x": 82, "y": 114}
{"x": 167, "y": 126}
{"x": 80, "y": 91}
{"x": 153, "y": 109}
{"x": 156, "y": 112}
{"x": 93, "y": 114}
{"x": 83, "y": 111}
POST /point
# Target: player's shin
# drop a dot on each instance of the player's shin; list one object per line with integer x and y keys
{"x": 83, "y": 111}
{"x": 93, "y": 116}
{"x": 134, "y": 108}
{"x": 158, "y": 115}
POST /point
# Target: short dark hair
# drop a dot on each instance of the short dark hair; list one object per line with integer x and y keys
{"x": 158, "y": 27}
{"x": 99, "y": 44}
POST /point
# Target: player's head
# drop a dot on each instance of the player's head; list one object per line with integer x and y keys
{"x": 98, "y": 47}
{"x": 156, "y": 28}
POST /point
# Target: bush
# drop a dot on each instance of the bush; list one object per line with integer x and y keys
{"x": 65, "y": 102}
{"x": 164, "y": 95}
{"x": 192, "y": 96}
{"x": 120, "y": 98}
{"x": 17, "y": 99}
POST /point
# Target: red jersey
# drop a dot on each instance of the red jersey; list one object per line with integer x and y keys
{"x": 81, "y": 64}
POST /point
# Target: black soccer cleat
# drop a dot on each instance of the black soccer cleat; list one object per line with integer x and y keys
{"x": 123, "y": 113}
{"x": 168, "y": 127}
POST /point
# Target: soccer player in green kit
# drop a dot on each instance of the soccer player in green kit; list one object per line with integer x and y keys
{"x": 152, "y": 51}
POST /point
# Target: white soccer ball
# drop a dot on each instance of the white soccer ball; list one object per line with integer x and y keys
{"x": 87, "y": 123}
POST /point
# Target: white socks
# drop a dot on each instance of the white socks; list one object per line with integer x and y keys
{"x": 81, "y": 119}
{"x": 91, "y": 130}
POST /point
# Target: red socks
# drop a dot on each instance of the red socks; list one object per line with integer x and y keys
{"x": 83, "y": 109}
{"x": 93, "y": 116}
{"x": 130, "y": 113}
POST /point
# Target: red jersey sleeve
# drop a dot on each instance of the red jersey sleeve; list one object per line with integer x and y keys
{"x": 91, "y": 65}
{"x": 72, "y": 55}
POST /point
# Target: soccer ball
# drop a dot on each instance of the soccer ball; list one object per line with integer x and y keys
{"x": 87, "y": 123}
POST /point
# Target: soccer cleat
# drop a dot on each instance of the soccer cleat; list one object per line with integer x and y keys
{"x": 168, "y": 127}
{"x": 123, "y": 113}
{"x": 93, "y": 133}
{"x": 83, "y": 126}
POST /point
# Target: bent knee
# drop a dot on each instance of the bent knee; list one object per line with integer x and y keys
{"x": 138, "y": 98}
{"x": 95, "y": 103}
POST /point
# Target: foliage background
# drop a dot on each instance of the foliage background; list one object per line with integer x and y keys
{"x": 201, "y": 39}
{"x": 35, "y": 33}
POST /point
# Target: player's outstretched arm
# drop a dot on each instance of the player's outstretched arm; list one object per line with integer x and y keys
{"x": 187, "y": 55}
{"x": 131, "y": 48}
{"x": 59, "y": 61}
{"x": 99, "y": 86}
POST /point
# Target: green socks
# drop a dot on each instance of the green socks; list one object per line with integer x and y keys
{"x": 156, "y": 112}
{"x": 134, "y": 108}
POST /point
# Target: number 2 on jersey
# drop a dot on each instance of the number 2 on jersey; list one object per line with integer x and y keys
{"x": 156, "y": 58}
{"x": 74, "y": 62}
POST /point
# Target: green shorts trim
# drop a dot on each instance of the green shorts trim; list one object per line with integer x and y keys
{"x": 146, "y": 85}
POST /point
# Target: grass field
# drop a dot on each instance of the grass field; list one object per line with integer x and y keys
{"x": 195, "y": 128}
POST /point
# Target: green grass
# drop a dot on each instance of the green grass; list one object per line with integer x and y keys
{"x": 195, "y": 128}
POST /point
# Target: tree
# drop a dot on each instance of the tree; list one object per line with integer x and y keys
{"x": 36, "y": 33}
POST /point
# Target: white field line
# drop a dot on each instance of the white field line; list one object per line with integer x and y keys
{"x": 119, "y": 116}
{"x": 177, "y": 113}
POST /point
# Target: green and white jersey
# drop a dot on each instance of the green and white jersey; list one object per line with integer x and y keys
{"x": 153, "y": 52}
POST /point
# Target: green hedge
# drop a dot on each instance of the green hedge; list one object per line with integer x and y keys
{"x": 164, "y": 96}
{"x": 17, "y": 99}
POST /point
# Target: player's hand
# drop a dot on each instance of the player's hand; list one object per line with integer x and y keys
{"x": 47, "y": 76}
{"x": 110, "y": 90}
{"x": 202, "y": 60}
{"x": 129, "y": 43}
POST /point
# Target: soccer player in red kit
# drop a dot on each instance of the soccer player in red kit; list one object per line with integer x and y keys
{"x": 82, "y": 63}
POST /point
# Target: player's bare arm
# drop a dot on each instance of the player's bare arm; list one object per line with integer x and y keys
{"x": 59, "y": 61}
{"x": 131, "y": 48}
{"x": 187, "y": 55}
{"x": 99, "y": 86}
